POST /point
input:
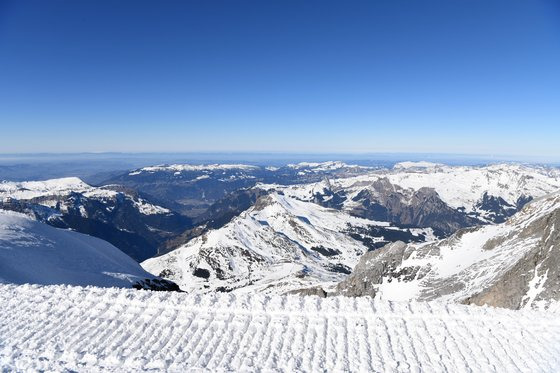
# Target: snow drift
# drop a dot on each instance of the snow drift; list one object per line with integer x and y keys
{"x": 63, "y": 328}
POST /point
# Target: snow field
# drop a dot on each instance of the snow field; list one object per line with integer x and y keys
{"x": 95, "y": 329}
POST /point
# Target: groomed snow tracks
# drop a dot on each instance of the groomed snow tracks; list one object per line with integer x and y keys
{"x": 96, "y": 329}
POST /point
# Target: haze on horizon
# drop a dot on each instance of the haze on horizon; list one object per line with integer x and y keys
{"x": 468, "y": 77}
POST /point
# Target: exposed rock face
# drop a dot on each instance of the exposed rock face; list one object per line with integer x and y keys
{"x": 318, "y": 291}
{"x": 536, "y": 277}
{"x": 156, "y": 284}
{"x": 372, "y": 268}
{"x": 514, "y": 265}
{"x": 497, "y": 209}
{"x": 421, "y": 208}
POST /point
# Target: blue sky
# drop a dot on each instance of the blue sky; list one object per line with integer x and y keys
{"x": 476, "y": 76}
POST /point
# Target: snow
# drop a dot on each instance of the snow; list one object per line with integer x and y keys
{"x": 33, "y": 189}
{"x": 536, "y": 286}
{"x": 398, "y": 291}
{"x": 178, "y": 168}
{"x": 467, "y": 252}
{"x": 48, "y": 192}
{"x": 421, "y": 164}
{"x": 457, "y": 186}
{"x": 465, "y": 186}
{"x": 147, "y": 208}
{"x": 33, "y": 252}
{"x": 65, "y": 328}
{"x": 322, "y": 166}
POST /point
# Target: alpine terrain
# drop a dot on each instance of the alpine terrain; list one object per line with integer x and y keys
{"x": 192, "y": 189}
{"x": 116, "y": 214}
{"x": 279, "y": 244}
{"x": 326, "y": 266}
{"x": 514, "y": 264}
{"x": 307, "y": 237}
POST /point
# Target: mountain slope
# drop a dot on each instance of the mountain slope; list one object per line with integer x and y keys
{"x": 280, "y": 244}
{"x": 36, "y": 253}
{"x": 515, "y": 264}
{"x": 113, "y": 213}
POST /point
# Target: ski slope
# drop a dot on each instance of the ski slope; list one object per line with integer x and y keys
{"x": 57, "y": 328}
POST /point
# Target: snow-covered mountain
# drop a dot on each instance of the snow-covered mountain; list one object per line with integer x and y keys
{"x": 46, "y": 193}
{"x": 424, "y": 194}
{"x": 280, "y": 244}
{"x": 36, "y": 253}
{"x": 268, "y": 247}
{"x": 178, "y": 169}
{"x": 325, "y": 167}
{"x": 515, "y": 264}
{"x": 114, "y": 213}
{"x": 465, "y": 187}
{"x": 192, "y": 189}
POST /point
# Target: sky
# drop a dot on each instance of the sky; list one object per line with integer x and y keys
{"x": 472, "y": 77}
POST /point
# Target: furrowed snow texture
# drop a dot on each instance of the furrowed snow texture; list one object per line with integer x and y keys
{"x": 94, "y": 329}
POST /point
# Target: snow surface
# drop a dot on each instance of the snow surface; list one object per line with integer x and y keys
{"x": 65, "y": 328}
{"x": 465, "y": 186}
{"x": 33, "y": 252}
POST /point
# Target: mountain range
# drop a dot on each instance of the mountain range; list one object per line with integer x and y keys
{"x": 321, "y": 228}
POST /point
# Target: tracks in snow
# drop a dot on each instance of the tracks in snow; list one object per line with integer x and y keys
{"x": 95, "y": 329}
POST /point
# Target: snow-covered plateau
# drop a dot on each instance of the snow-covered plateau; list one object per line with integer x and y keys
{"x": 65, "y": 328}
